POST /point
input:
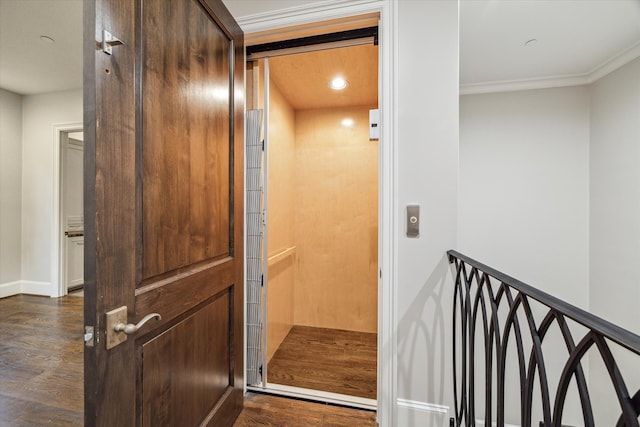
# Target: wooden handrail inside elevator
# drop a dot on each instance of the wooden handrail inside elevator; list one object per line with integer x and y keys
{"x": 281, "y": 255}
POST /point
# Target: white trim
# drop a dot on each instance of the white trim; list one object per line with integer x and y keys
{"x": 480, "y": 423}
{"x": 35, "y": 288}
{"x": 615, "y": 62}
{"x": 322, "y": 396}
{"x": 307, "y": 14}
{"x": 10, "y": 288}
{"x": 412, "y": 413}
{"x": 523, "y": 84}
{"x": 589, "y": 77}
{"x": 57, "y": 286}
{"x": 388, "y": 244}
{"x": 25, "y": 287}
{"x": 388, "y": 36}
{"x": 423, "y": 406}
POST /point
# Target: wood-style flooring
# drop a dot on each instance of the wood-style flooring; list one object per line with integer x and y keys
{"x": 265, "y": 410}
{"x": 41, "y": 373}
{"x": 330, "y": 360}
{"x": 41, "y": 361}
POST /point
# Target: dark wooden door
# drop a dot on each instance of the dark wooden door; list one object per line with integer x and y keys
{"x": 164, "y": 213}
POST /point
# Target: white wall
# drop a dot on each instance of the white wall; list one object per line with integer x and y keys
{"x": 615, "y": 196}
{"x": 427, "y": 175}
{"x": 426, "y": 168}
{"x": 40, "y": 114}
{"x": 615, "y": 220}
{"x": 524, "y": 202}
{"x": 10, "y": 190}
{"x": 550, "y": 194}
{"x": 524, "y": 187}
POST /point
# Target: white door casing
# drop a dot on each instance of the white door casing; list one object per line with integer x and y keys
{"x": 387, "y": 240}
{"x": 59, "y": 221}
{"x": 72, "y": 207}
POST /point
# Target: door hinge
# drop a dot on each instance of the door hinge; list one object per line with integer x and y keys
{"x": 262, "y": 280}
{"x": 263, "y": 145}
{"x": 108, "y": 41}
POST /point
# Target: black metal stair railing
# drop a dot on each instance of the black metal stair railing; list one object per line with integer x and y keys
{"x": 500, "y": 313}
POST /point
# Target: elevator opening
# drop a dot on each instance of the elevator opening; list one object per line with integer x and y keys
{"x": 318, "y": 305}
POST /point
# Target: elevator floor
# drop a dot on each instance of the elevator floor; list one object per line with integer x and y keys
{"x": 330, "y": 360}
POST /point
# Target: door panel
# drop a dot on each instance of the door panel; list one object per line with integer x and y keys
{"x": 177, "y": 294}
{"x": 164, "y": 134}
{"x": 74, "y": 256}
{"x": 189, "y": 140}
{"x": 186, "y": 368}
{"x": 73, "y": 210}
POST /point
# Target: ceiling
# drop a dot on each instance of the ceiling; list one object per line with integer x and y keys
{"x": 29, "y": 65}
{"x": 303, "y": 79}
{"x": 574, "y": 38}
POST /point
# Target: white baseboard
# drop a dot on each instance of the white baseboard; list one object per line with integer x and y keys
{"x": 25, "y": 287}
{"x": 410, "y": 413}
{"x": 10, "y": 288}
{"x": 36, "y": 288}
{"x": 480, "y": 423}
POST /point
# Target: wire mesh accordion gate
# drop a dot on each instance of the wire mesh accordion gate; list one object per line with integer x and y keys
{"x": 255, "y": 240}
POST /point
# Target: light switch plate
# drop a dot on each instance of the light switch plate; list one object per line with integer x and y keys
{"x": 413, "y": 220}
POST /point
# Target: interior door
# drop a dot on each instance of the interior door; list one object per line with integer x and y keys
{"x": 163, "y": 213}
{"x": 72, "y": 211}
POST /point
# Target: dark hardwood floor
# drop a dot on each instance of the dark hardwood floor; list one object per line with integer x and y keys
{"x": 327, "y": 359}
{"x": 265, "y": 410}
{"x": 41, "y": 373}
{"x": 41, "y": 361}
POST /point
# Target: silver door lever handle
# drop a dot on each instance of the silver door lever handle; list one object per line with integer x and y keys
{"x": 131, "y": 328}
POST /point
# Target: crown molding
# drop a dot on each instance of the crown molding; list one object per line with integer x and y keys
{"x": 615, "y": 62}
{"x": 618, "y": 60}
{"x": 523, "y": 84}
{"x": 306, "y": 13}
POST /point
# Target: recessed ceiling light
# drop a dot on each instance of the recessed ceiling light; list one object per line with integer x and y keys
{"x": 347, "y": 122}
{"x": 46, "y": 39}
{"x": 338, "y": 83}
{"x": 531, "y": 42}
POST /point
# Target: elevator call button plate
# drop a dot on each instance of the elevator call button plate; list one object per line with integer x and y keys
{"x": 413, "y": 220}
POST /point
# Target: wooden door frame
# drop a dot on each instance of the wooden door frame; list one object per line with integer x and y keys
{"x": 388, "y": 153}
{"x": 58, "y": 257}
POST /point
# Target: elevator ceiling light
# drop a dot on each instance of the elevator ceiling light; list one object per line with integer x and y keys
{"x": 347, "y": 122}
{"x": 338, "y": 83}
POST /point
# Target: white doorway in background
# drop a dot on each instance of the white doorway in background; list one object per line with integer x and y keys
{"x": 72, "y": 204}
{"x": 68, "y": 265}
